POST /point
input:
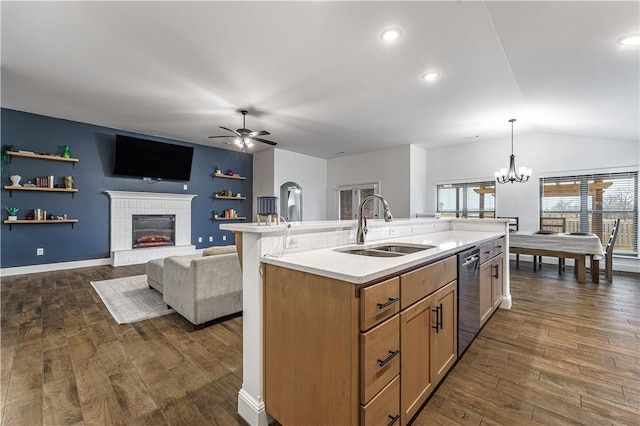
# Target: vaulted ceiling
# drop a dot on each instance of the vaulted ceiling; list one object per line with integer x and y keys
{"x": 317, "y": 75}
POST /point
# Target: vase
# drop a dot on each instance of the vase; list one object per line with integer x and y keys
{"x": 12, "y": 218}
{"x": 68, "y": 182}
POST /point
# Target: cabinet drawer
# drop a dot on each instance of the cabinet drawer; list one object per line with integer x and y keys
{"x": 420, "y": 283}
{"x": 379, "y": 302}
{"x": 379, "y": 357}
{"x": 384, "y": 407}
{"x": 498, "y": 246}
{"x": 487, "y": 251}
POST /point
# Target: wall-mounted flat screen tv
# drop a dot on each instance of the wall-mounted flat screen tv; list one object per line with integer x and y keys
{"x": 151, "y": 159}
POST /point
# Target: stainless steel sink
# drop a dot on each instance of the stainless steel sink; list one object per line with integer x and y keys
{"x": 403, "y": 248}
{"x": 369, "y": 252}
{"x": 386, "y": 250}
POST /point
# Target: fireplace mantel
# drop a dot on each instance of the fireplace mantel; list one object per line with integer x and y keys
{"x": 124, "y": 204}
{"x": 114, "y": 195}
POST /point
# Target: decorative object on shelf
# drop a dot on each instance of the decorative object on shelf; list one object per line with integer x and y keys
{"x": 214, "y": 213}
{"x": 39, "y": 214}
{"x": 68, "y": 182}
{"x": 217, "y": 170}
{"x": 521, "y": 175}
{"x": 12, "y": 212}
{"x": 66, "y": 152}
{"x": 15, "y": 180}
{"x": 230, "y": 213}
{"x": 5, "y": 159}
{"x": 268, "y": 210}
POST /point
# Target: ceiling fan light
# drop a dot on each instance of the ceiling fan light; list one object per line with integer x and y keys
{"x": 248, "y": 142}
{"x": 237, "y": 142}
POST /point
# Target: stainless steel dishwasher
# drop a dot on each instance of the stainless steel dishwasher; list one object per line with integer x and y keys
{"x": 468, "y": 297}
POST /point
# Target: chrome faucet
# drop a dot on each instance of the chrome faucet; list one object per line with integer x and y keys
{"x": 362, "y": 220}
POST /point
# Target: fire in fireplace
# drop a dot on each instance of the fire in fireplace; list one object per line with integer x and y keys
{"x": 153, "y": 230}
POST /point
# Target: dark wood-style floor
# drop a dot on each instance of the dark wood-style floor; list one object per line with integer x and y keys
{"x": 566, "y": 353}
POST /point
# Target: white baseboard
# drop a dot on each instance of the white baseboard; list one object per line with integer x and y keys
{"x": 251, "y": 410}
{"x": 48, "y": 267}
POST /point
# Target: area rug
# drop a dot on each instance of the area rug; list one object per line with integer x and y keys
{"x": 130, "y": 299}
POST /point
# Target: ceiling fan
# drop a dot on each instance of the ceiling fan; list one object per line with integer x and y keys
{"x": 244, "y": 137}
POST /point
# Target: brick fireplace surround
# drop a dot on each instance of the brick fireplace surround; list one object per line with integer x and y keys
{"x": 125, "y": 204}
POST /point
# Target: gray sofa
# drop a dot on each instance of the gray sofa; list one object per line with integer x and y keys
{"x": 201, "y": 288}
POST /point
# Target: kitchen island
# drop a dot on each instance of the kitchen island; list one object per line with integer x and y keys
{"x": 309, "y": 247}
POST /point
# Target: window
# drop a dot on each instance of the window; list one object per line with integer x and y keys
{"x": 349, "y": 197}
{"x": 591, "y": 203}
{"x": 474, "y": 199}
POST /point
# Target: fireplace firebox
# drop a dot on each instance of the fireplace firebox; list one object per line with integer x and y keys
{"x": 153, "y": 230}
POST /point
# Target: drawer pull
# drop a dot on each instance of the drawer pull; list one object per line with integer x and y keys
{"x": 382, "y": 362}
{"x": 496, "y": 269}
{"x": 489, "y": 252}
{"x": 390, "y": 302}
{"x": 393, "y": 419}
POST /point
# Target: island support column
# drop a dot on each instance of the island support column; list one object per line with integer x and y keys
{"x": 251, "y": 396}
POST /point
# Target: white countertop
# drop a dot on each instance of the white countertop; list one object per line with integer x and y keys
{"x": 359, "y": 269}
{"x": 328, "y": 225}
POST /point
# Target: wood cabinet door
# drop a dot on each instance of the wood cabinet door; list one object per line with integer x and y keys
{"x": 415, "y": 357}
{"x": 445, "y": 342}
{"x": 497, "y": 280}
{"x": 486, "y": 287}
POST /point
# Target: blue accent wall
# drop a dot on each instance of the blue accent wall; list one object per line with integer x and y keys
{"x": 93, "y": 174}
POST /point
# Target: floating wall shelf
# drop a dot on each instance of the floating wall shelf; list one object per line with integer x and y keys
{"x": 42, "y": 156}
{"x": 12, "y": 188}
{"x": 38, "y": 222}
{"x": 222, "y": 197}
{"x": 220, "y": 175}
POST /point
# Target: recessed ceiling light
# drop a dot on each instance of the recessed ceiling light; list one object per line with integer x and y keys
{"x": 391, "y": 34}
{"x": 430, "y": 76}
{"x": 630, "y": 40}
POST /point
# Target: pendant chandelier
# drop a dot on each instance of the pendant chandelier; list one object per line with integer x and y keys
{"x": 512, "y": 174}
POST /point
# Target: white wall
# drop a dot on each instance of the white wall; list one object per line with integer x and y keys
{"x": 390, "y": 167}
{"x": 547, "y": 155}
{"x": 310, "y": 173}
{"x": 263, "y": 175}
{"x": 418, "y": 181}
{"x": 273, "y": 167}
